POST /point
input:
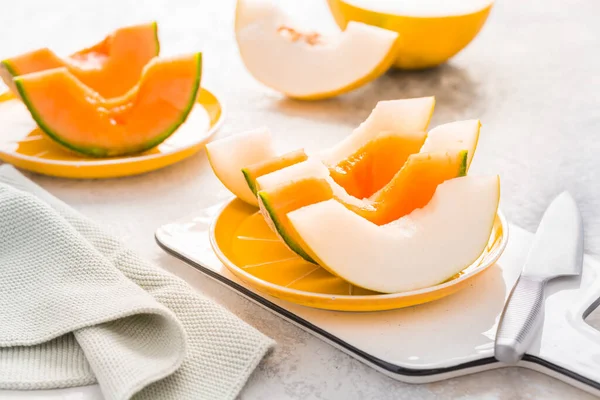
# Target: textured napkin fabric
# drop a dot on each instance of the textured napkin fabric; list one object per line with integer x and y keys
{"x": 77, "y": 307}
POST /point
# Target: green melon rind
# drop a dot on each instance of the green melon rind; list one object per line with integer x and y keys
{"x": 7, "y": 72}
{"x": 250, "y": 181}
{"x": 156, "y": 40}
{"x": 462, "y": 169}
{"x": 103, "y": 152}
{"x": 274, "y": 221}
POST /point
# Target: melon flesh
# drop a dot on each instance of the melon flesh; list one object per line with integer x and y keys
{"x": 254, "y": 171}
{"x": 365, "y": 161}
{"x": 309, "y": 66}
{"x": 417, "y": 251}
{"x": 309, "y": 182}
{"x": 228, "y": 156}
{"x": 79, "y": 118}
{"x": 398, "y": 117}
{"x": 111, "y": 67}
{"x": 459, "y": 135}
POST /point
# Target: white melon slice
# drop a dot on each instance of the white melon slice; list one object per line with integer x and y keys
{"x": 229, "y": 155}
{"x": 309, "y": 66}
{"x": 459, "y": 135}
{"x": 311, "y": 168}
{"x": 405, "y": 117}
{"x": 417, "y": 251}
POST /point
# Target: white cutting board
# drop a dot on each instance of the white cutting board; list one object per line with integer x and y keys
{"x": 450, "y": 337}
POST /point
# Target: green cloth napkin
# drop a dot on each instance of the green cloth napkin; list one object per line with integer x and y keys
{"x": 77, "y": 307}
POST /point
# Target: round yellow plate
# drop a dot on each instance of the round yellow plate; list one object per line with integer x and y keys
{"x": 245, "y": 244}
{"x": 25, "y": 146}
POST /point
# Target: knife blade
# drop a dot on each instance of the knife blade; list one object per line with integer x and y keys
{"x": 557, "y": 250}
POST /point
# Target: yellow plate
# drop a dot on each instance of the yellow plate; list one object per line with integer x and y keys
{"x": 25, "y": 146}
{"x": 250, "y": 250}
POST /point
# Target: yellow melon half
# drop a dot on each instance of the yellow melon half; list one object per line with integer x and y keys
{"x": 431, "y": 31}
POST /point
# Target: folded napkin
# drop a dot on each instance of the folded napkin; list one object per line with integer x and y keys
{"x": 77, "y": 307}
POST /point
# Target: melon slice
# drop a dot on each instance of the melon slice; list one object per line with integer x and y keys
{"x": 417, "y": 251}
{"x": 309, "y": 182}
{"x": 309, "y": 65}
{"x": 366, "y": 160}
{"x": 77, "y": 117}
{"x": 228, "y": 156}
{"x": 457, "y": 135}
{"x": 254, "y": 171}
{"x": 111, "y": 67}
{"x": 400, "y": 123}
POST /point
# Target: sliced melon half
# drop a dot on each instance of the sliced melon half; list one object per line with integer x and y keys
{"x": 309, "y": 65}
{"x": 228, "y": 156}
{"x": 419, "y": 250}
{"x": 79, "y": 118}
{"x": 111, "y": 67}
{"x": 309, "y": 182}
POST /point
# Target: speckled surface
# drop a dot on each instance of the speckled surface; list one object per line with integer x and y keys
{"x": 531, "y": 77}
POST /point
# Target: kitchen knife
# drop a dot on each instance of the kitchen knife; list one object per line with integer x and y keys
{"x": 557, "y": 250}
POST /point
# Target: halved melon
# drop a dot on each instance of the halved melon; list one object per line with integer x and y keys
{"x": 111, "y": 67}
{"x": 228, "y": 156}
{"x": 79, "y": 118}
{"x": 309, "y": 182}
{"x": 254, "y": 171}
{"x": 431, "y": 31}
{"x": 419, "y": 250}
{"x": 309, "y": 65}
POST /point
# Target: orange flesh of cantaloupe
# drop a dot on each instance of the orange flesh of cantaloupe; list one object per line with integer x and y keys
{"x": 373, "y": 166}
{"x": 77, "y": 117}
{"x": 111, "y": 67}
{"x": 410, "y": 188}
{"x": 254, "y": 171}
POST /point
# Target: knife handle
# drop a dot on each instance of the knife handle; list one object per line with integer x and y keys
{"x": 520, "y": 319}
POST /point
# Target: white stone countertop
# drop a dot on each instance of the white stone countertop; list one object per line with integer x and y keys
{"x": 532, "y": 77}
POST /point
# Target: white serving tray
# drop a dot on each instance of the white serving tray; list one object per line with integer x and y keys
{"x": 450, "y": 337}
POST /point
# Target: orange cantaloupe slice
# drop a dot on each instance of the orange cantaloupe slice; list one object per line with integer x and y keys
{"x": 410, "y": 188}
{"x": 372, "y": 166}
{"x": 80, "y": 119}
{"x": 111, "y": 67}
{"x": 254, "y": 171}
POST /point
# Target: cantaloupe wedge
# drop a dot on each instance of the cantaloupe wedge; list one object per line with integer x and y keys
{"x": 254, "y": 171}
{"x": 309, "y": 182}
{"x": 111, "y": 67}
{"x": 367, "y": 159}
{"x": 228, "y": 156}
{"x": 401, "y": 125}
{"x": 309, "y": 65}
{"x": 419, "y": 250}
{"x": 79, "y": 118}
